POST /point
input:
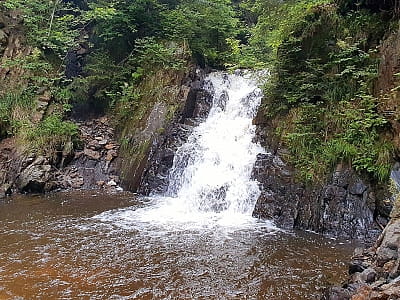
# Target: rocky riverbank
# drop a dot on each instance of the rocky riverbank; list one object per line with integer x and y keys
{"x": 92, "y": 164}
{"x": 374, "y": 273}
{"x": 346, "y": 205}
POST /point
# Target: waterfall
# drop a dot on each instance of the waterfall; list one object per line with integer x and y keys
{"x": 210, "y": 182}
{"x": 211, "y": 173}
{"x": 212, "y": 170}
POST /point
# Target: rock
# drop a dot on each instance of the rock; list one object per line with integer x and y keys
{"x": 3, "y": 37}
{"x": 94, "y": 145}
{"x": 111, "y": 154}
{"x": 389, "y": 266}
{"x": 395, "y": 271}
{"x": 5, "y": 190}
{"x": 103, "y": 142}
{"x": 111, "y": 183}
{"x": 357, "y": 188}
{"x": 336, "y": 293}
{"x": 92, "y": 154}
{"x": 356, "y": 266}
{"x": 110, "y": 146}
{"x": 368, "y": 275}
{"x": 34, "y": 179}
{"x": 389, "y": 291}
{"x": 363, "y": 293}
{"x": 101, "y": 183}
{"x": 103, "y": 120}
{"x": 78, "y": 154}
{"x": 388, "y": 250}
{"x": 77, "y": 183}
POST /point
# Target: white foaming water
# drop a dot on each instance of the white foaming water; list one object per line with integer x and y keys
{"x": 210, "y": 181}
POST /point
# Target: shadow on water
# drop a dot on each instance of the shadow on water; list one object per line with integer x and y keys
{"x": 57, "y": 247}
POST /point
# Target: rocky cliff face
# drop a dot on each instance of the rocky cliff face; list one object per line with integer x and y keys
{"x": 162, "y": 152}
{"x": 151, "y": 140}
{"x": 374, "y": 273}
{"x": 346, "y": 205}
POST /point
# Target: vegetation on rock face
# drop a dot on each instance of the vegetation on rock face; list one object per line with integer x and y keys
{"x": 119, "y": 44}
{"x": 322, "y": 55}
{"x": 324, "y": 65}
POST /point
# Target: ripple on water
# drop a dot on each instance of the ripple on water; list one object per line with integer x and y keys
{"x": 80, "y": 250}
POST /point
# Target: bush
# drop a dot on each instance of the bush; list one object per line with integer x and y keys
{"x": 50, "y": 135}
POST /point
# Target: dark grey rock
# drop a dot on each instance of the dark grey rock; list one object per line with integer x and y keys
{"x": 155, "y": 177}
{"x": 368, "y": 275}
{"x": 5, "y": 190}
{"x": 336, "y": 293}
{"x": 356, "y": 266}
{"x": 357, "y": 188}
{"x": 389, "y": 248}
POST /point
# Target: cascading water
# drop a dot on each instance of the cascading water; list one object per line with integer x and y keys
{"x": 211, "y": 173}
{"x": 210, "y": 181}
{"x": 212, "y": 170}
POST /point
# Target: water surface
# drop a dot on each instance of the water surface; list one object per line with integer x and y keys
{"x": 88, "y": 246}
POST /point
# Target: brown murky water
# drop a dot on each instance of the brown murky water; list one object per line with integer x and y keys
{"x": 52, "y": 248}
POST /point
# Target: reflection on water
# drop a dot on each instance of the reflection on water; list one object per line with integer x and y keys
{"x": 55, "y": 248}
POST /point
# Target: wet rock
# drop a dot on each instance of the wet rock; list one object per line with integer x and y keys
{"x": 356, "y": 266}
{"x": 357, "y": 188}
{"x": 198, "y": 103}
{"x": 112, "y": 183}
{"x": 368, "y": 275}
{"x": 92, "y": 154}
{"x": 341, "y": 207}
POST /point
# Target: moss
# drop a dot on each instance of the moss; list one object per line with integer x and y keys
{"x": 133, "y": 113}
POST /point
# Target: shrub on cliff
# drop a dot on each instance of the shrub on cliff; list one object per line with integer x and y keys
{"x": 324, "y": 65}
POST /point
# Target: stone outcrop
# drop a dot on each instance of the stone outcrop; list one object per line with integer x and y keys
{"x": 92, "y": 165}
{"x": 149, "y": 151}
{"x": 197, "y": 106}
{"x": 344, "y": 206}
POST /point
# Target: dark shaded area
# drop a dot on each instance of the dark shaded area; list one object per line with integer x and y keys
{"x": 390, "y": 7}
{"x": 82, "y": 4}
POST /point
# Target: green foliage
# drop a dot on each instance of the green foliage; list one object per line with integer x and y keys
{"x": 152, "y": 55}
{"x": 206, "y": 25}
{"x": 46, "y": 27}
{"x": 322, "y": 87}
{"x": 50, "y": 135}
{"x": 13, "y": 109}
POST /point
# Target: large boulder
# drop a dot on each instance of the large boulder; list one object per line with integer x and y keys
{"x": 36, "y": 178}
